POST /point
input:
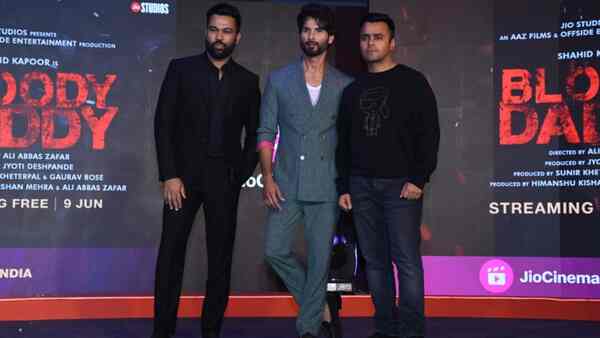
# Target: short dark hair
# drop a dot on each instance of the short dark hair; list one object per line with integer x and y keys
{"x": 380, "y": 17}
{"x": 321, "y": 13}
{"x": 225, "y": 9}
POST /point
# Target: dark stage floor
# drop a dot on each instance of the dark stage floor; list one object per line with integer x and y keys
{"x": 272, "y": 328}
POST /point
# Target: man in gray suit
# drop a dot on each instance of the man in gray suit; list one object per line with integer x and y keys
{"x": 302, "y": 100}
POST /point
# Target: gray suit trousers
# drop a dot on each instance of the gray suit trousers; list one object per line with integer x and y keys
{"x": 307, "y": 284}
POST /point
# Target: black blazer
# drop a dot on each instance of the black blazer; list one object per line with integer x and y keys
{"x": 182, "y": 114}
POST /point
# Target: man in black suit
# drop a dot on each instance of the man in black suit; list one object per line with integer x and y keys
{"x": 204, "y": 103}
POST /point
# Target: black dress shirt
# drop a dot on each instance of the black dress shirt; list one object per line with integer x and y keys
{"x": 217, "y": 102}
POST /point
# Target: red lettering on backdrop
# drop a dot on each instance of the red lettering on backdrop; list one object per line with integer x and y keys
{"x": 531, "y": 123}
{"x": 25, "y": 89}
{"x": 592, "y": 76}
{"x": 101, "y": 89}
{"x": 517, "y": 94}
{"x": 558, "y": 122}
{"x": 97, "y": 125}
{"x": 41, "y": 125}
{"x": 516, "y": 80}
{"x": 61, "y": 90}
{"x": 49, "y": 141}
{"x": 7, "y": 139}
{"x": 11, "y": 88}
{"x": 590, "y": 133}
{"x": 540, "y": 89}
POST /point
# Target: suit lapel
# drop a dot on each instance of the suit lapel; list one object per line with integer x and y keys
{"x": 301, "y": 87}
{"x": 302, "y": 98}
{"x": 300, "y": 83}
{"x": 325, "y": 90}
{"x": 320, "y": 112}
{"x": 312, "y": 115}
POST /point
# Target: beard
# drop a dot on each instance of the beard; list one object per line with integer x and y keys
{"x": 312, "y": 49}
{"x": 219, "y": 54}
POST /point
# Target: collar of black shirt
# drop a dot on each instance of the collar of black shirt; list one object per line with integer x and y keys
{"x": 227, "y": 67}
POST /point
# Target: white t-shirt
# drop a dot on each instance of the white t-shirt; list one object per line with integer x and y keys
{"x": 314, "y": 93}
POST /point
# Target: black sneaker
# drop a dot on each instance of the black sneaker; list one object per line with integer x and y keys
{"x": 379, "y": 335}
{"x": 327, "y": 330}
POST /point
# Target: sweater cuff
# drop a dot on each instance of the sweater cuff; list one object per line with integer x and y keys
{"x": 343, "y": 186}
{"x": 419, "y": 181}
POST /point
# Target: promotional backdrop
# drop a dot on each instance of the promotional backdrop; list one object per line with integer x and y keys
{"x": 512, "y": 210}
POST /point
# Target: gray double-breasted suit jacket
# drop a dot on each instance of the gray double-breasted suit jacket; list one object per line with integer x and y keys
{"x": 304, "y": 167}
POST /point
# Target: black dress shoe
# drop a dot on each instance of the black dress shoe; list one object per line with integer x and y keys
{"x": 161, "y": 335}
{"x": 379, "y": 335}
{"x": 336, "y": 327}
{"x": 210, "y": 334}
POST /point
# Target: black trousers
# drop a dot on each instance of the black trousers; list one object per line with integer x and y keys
{"x": 218, "y": 193}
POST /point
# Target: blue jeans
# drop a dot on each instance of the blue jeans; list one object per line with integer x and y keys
{"x": 388, "y": 229}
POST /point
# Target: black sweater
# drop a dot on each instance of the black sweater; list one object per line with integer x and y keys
{"x": 388, "y": 128}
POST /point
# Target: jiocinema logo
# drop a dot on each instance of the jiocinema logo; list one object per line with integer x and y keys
{"x": 15, "y": 273}
{"x": 496, "y": 276}
{"x": 555, "y": 277}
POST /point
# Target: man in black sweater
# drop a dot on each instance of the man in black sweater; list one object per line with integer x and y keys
{"x": 388, "y": 139}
